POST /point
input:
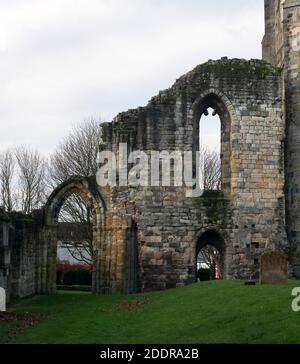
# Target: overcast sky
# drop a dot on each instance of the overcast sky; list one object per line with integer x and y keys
{"x": 63, "y": 61}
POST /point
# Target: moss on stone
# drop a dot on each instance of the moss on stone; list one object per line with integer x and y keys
{"x": 167, "y": 99}
{"x": 242, "y": 68}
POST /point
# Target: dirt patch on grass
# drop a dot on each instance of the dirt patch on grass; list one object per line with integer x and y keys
{"x": 133, "y": 305}
{"x": 20, "y": 322}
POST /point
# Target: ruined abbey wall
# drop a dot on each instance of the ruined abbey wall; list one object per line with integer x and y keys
{"x": 249, "y": 214}
{"x": 274, "y": 37}
{"x": 147, "y": 238}
{"x": 281, "y": 47}
{"x": 20, "y": 254}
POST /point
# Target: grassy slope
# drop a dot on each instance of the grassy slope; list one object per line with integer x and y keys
{"x": 213, "y": 312}
{"x": 5, "y": 328}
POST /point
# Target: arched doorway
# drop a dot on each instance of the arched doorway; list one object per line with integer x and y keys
{"x": 210, "y": 255}
{"x": 75, "y": 246}
{"x": 84, "y": 190}
{"x": 131, "y": 261}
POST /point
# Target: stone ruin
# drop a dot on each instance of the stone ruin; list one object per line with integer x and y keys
{"x": 147, "y": 238}
{"x": 273, "y": 268}
{"x": 2, "y": 300}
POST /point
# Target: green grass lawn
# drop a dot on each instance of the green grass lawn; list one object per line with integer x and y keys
{"x": 212, "y": 312}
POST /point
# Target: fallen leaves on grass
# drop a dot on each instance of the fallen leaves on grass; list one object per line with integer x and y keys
{"x": 133, "y": 305}
{"x": 25, "y": 320}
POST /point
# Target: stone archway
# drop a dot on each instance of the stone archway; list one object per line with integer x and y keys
{"x": 87, "y": 189}
{"x": 213, "y": 239}
{"x": 222, "y": 107}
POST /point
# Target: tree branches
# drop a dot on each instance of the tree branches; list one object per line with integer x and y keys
{"x": 32, "y": 182}
{"x": 7, "y": 169}
{"x": 77, "y": 156}
{"x": 210, "y": 170}
{"x": 22, "y": 180}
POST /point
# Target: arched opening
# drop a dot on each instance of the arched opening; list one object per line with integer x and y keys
{"x": 210, "y": 253}
{"x": 75, "y": 250}
{"x": 212, "y": 127}
{"x": 74, "y": 217}
{"x": 210, "y": 151}
{"x": 132, "y": 283}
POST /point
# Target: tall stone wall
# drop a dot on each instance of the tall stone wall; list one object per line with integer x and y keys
{"x": 292, "y": 97}
{"x": 4, "y": 249}
{"x": 273, "y": 39}
{"x": 147, "y": 238}
{"x": 249, "y": 213}
{"x": 281, "y": 47}
{"x": 19, "y": 254}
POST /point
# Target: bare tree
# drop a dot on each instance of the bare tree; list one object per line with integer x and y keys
{"x": 80, "y": 251}
{"x": 210, "y": 180}
{"x": 7, "y": 169}
{"x": 31, "y": 184}
{"x": 77, "y": 156}
{"x": 210, "y": 169}
{"x": 76, "y": 210}
{"x": 211, "y": 257}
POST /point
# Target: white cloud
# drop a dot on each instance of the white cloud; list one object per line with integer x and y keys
{"x": 63, "y": 60}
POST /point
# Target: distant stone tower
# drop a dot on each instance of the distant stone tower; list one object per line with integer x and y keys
{"x": 281, "y": 47}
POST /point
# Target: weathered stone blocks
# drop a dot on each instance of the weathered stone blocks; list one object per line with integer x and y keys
{"x": 273, "y": 268}
{"x": 2, "y": 299}
{"x": 147, "y": 238}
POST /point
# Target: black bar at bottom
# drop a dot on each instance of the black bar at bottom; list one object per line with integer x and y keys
{"x": 131, "y": 353}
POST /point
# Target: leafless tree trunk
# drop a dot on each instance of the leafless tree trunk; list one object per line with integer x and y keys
{"x": 7, "y": 169}
{"x": 32, "y": 173}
